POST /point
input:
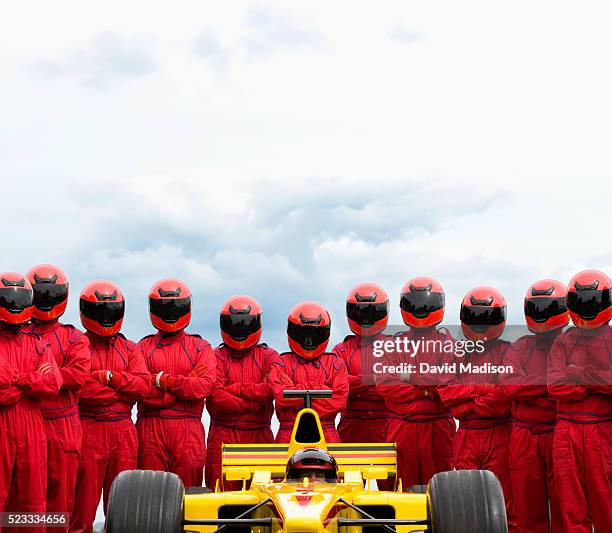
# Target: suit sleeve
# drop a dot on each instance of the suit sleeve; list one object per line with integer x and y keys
{"x": 560, "y": 386}
{"x": 37, "y": 384}
{"x": 330, "y": 407}
{"x": 600, "y": 381}
{"x": 280, "y": 381}
{"x": 261, "y": 392}
{"x": 357, "y": 385}
{"x": 75, "y": 367}
{"x": 221, "y": 401}
{"x": 198, "y": 388}
{"x": 5, "y": 374}
{"x": 94, "y": 393}
{"x": 134, "y": 384}
{"x": 458, "y": 397}
{"x": 518, "y": 385}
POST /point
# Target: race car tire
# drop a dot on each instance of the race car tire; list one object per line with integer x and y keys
{"x": 418, "y": 489}
{"x": 145, "y": 501}
{"x": 467, "y": 501}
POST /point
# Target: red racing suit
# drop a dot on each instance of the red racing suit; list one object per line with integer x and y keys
{"x": 364, "y": 418}
{"x": 535, "y": 415}
{"x": 419, "y": 423}
{"x": 326, "y": 372}
{"x": 485, "y": 419}
{"x": 240, "y": 407}
{"x": 580, "y": 378}
{"x": 34, "y": 376}
{"x": 170, "y": 430}
{"x": 61, "y": 414}
{"x": 110, "y": 444}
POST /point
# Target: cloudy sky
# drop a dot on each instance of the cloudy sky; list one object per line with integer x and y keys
{"x": 291, "y": 150}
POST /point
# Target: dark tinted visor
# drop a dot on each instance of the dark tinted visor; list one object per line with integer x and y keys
{"x": 170, "y": 309}
{"x": 476, "y": 315}
{"x": 421, "y": 303}
{"x": 308, "y": 337}
{"x": 541, "y": 309}
{"x": 367, "y": 314}
{"x": 48, "y": 295}
{"x": 588, "y": 304}
{"x": 15, "y": 299}
{"x": 238, "y": 326}
{"x": 107, "y": 314}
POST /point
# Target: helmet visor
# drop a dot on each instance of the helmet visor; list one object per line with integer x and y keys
{"x": 589, "y": 303}
{"x": 308, "y": 337}
{"x": 240, "y": 326}
{"x": 15, "y": 299}
{"x": 48, "y": 295}
{"x": 421, "y": 303}
{"x": 475, "y": 315}
{"x": 367, "y": 314}
{"x": 170, "y": 309}
{"x": 541, "y": 309}
{"x": 107, "y": 314}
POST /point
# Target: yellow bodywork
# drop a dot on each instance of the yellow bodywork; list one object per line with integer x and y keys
{"x": 306, "y": 506}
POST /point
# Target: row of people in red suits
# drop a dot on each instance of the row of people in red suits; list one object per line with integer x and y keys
{"x": 505, "y": 426}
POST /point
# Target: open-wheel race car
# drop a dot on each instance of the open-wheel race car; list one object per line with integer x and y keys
{"x": 307, "y": 486}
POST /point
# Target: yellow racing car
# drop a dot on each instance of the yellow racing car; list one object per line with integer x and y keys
{"x": 307, "y": 486}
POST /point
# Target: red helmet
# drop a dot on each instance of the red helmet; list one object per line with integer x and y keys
{"x": 308, "y": 329}
{"x": 589, "y": 298}
{"x": 422, "y": 303}
{"x": 367, "y": 309}
{"x": 306, "y": 460}
{"x": 545, "y": 306}
{"x": 241, "y": 322}
{"x": 102, "y": 308}
{"x": 50, "y": 286}
{"x": 170, "y": 305}
{"x": 483, "y": 314}
{"x": 16, "y": 298}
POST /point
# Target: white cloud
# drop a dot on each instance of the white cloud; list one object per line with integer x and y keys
{"x": 108, "y": 57}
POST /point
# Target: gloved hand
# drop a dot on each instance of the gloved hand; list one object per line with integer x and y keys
{"x": 164, "y": 381}
{"x": 100, "y": 376}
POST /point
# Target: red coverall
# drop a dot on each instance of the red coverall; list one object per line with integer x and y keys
{"x": 419, "y": 423}
{"x": 110, "y": 444}
{"x": 326, "y": 372}
{"x": 23, "y": 446}
{"x": 61, "y": 414}
{"x": 240, "y": 407}
{"x": 170, "y": 430}
{"x": 364, "y": 418}
{"x": 582, "y": 445}
{"x": 485, "y": 421}
{"x": 535, "y": 415}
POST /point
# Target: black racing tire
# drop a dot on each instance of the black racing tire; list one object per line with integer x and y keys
{"x": 197, "y": 490}
{"x": 467, "y": 501}
{"x": 145, "y": 501}
{"x": 417, "y": 489}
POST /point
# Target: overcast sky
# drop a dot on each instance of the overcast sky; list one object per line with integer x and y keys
{"x": 292, "y": 150}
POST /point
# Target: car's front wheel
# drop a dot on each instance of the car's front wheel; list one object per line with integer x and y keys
{"x": 467, "y": 501}
{"x": 145, "y": 501}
